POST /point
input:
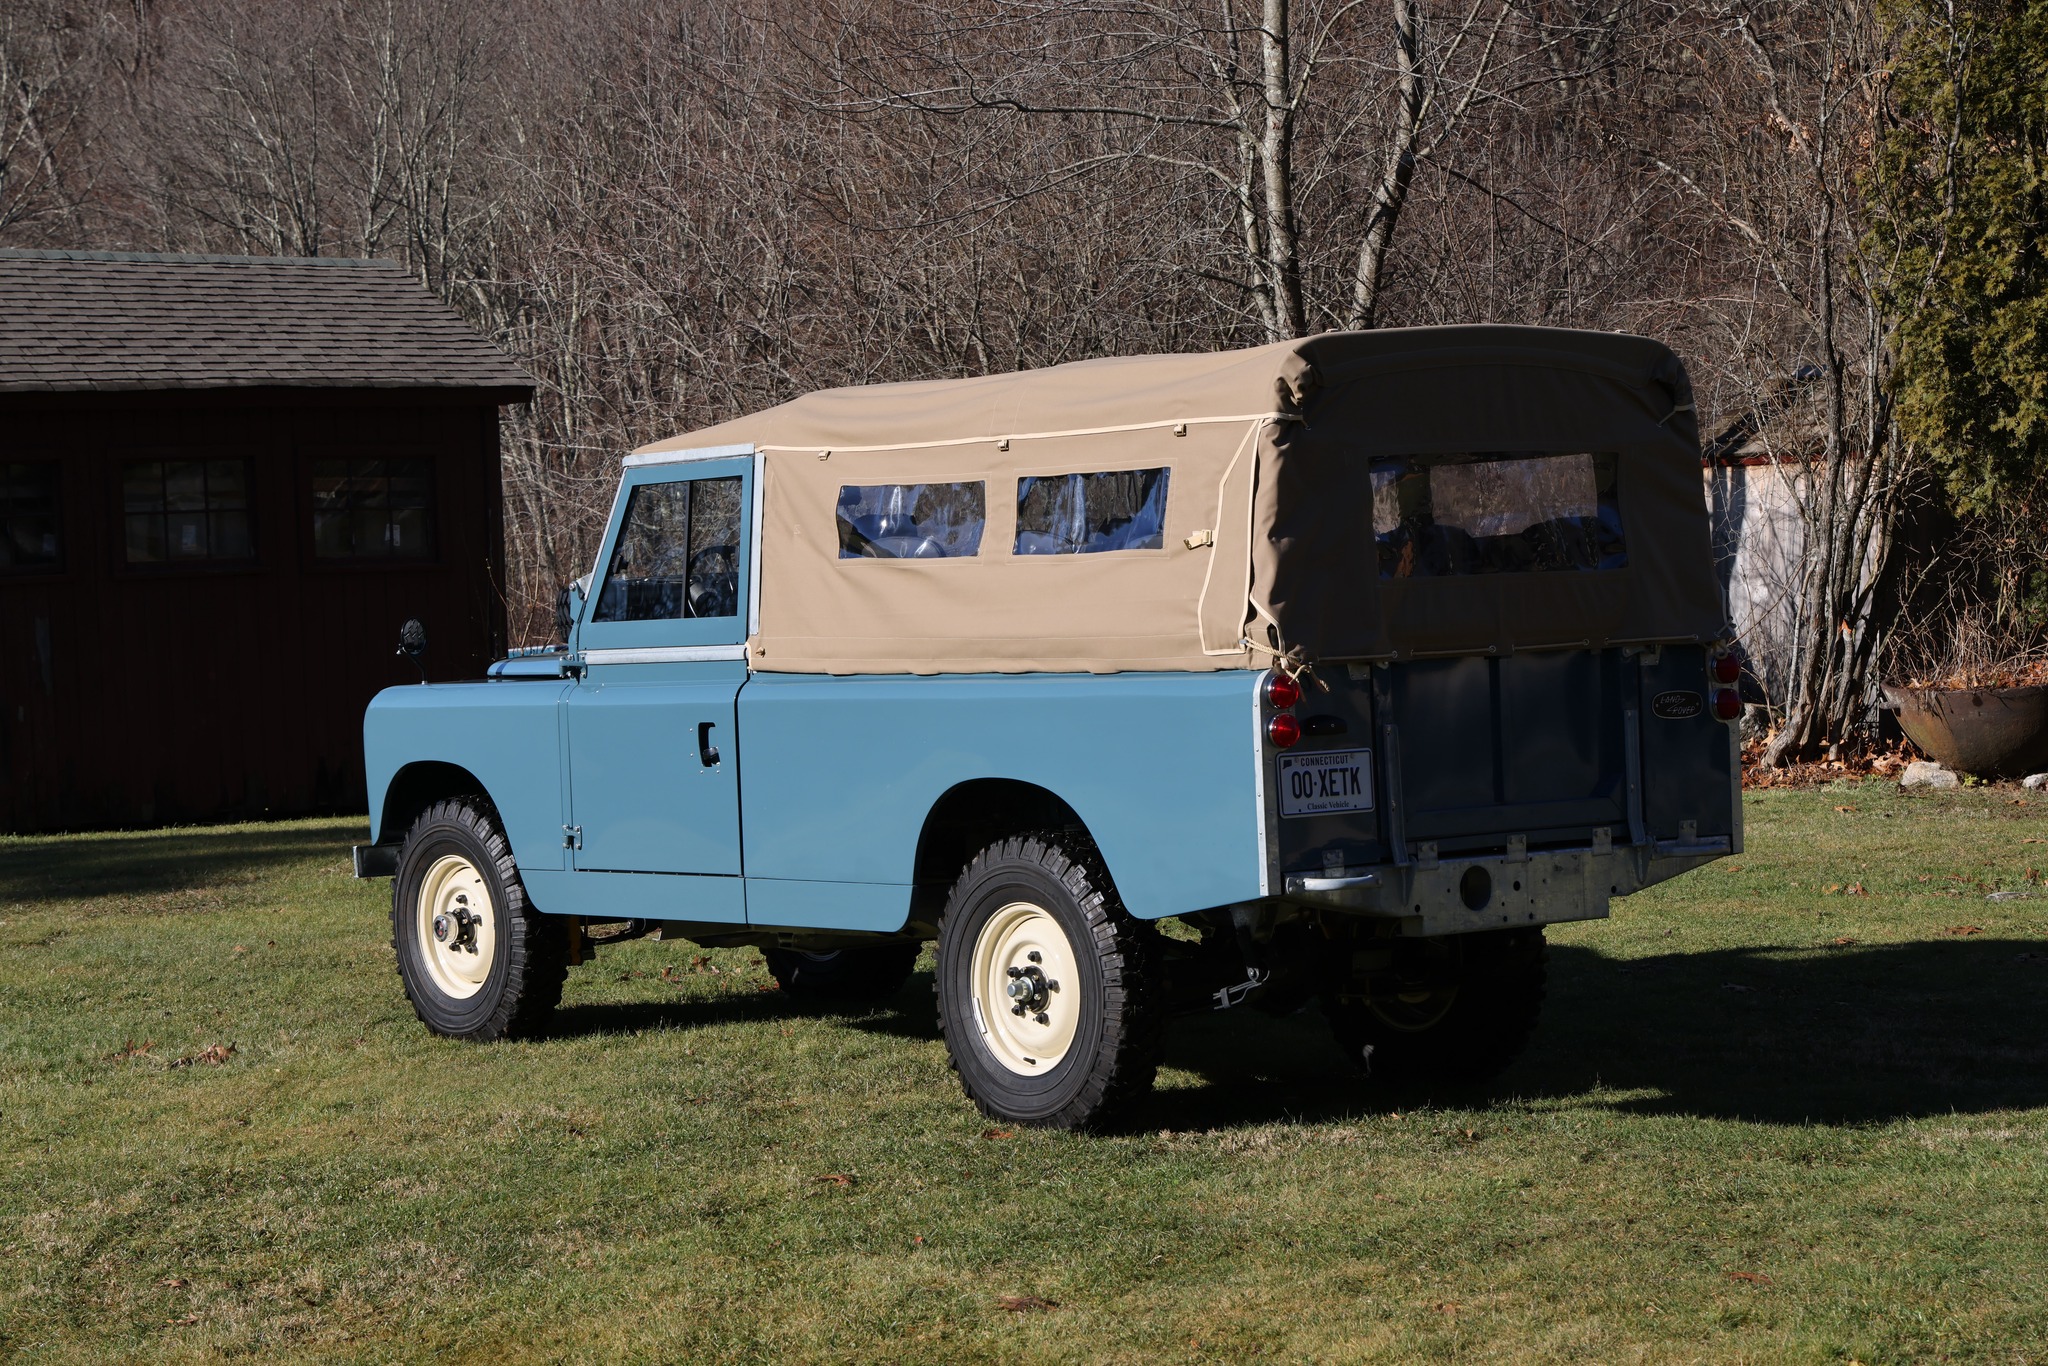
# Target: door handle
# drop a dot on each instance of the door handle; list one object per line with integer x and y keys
{"x": 706, "y": 751}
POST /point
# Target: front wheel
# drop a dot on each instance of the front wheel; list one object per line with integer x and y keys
{"x": 1047, "y": 988}
{"x": 478, "y": 961}
{"x": 1456, "y": 1009}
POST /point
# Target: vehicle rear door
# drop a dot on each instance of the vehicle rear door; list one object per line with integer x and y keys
{"x": 653, "y": 754}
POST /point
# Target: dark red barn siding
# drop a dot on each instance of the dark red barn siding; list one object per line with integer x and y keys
{"x": 136, "y": 695}
{"x": 139, "y": 695}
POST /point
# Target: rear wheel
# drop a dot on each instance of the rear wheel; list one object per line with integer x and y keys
{"x": 478, "y": 961}
{"x": 862, "y": 972}
{"x": 1047, "y": 988}
{"x": 1453, "y": 1009}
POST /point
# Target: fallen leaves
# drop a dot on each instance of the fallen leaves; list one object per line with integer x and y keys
{"x": 1964, "y": 929}
{"x": 174, "y": 1282}
{"x": 1845, "y": 810}
{"x": 1749, "y": 1277}
{"x": 1025, "y": 1304}
{"x": 213, "y": 1055}
{"x": 131, "y": 1049}
{"x": 998, "y": 1133}
{"x": 1856, "y": 889}
{"x": 1843, "y": 941}
{"x": 835, "y": 1178}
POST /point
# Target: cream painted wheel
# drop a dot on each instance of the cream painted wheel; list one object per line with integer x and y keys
{"x": 1026, "y": 989}
{"x": 456, "y": 926}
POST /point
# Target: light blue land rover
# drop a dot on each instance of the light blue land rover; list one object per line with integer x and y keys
{"x": 1363, "y": 657}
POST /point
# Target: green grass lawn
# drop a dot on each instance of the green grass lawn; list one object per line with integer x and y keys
{"x": 1767, "y": 1118}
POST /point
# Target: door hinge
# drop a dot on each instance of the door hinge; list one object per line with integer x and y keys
{"x": 572, "y": 837}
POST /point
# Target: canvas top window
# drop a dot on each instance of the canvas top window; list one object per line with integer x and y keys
{"x": 1086, "y": 514}
{"x": 1497, "y": 513}
{"x": 911, "y": 521}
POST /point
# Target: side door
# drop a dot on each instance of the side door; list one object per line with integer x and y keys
{"x": 653, "y": 756}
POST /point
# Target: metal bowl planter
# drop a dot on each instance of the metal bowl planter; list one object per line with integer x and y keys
{"x": 1994, "y": 732}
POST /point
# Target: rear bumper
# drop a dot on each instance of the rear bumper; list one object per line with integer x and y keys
{"x": 376, "y": 860}
{"x": 1431, "y": 897}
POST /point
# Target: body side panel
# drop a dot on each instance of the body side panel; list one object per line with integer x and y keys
{"x": 638, "y": 896}
{"x": 1161, "y": 768}
{"x": 505, "y": 733}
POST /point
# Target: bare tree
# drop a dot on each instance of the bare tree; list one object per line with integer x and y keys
{"x": 1261, "y": 105}
{"x": 1776, "y": 163}
{"x": 44, "y": 53}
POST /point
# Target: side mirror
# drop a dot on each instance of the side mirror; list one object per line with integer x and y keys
{"x": 412, "y": 642}
{"x": 567, "y": 603}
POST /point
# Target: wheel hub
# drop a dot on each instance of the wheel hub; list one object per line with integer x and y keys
{"x": 1021, "y": 957}
{"x": 456, "y": 930}
{"x": 1029, "y": 990}
{"x": 457, "y": 926}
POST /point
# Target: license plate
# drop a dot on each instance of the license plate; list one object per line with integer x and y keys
{"x": 1328, "y": 780}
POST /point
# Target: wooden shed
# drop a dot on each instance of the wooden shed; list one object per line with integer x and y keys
{"x": 224, "y": 484}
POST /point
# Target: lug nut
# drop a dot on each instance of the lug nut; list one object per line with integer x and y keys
{"x": 1033, "y": 956}
{"x": 1042, "y": 1018}
{"x": 1017, "y": 1009}
{"x": 1016, "y": 972}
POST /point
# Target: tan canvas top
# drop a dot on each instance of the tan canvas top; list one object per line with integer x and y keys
{"x": 1268, "y": 538}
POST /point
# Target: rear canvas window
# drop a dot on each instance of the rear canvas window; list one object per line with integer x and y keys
{"x": 1496, "y": 513}
{"x": 911, "y": 521}
{"x": 1083, "y": 514}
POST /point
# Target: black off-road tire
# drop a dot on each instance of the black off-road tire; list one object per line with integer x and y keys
{"x": 1485, "y": 1023}
{"x": 528, "y": 953}
{"x": 860, "y": 972}
{"x": 1115, "y": 994}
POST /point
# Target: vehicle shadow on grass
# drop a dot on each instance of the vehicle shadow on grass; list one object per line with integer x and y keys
{"x": 75, "y": 868}
{"x": 1853, "y": 1035}
{"x": 907, "y": 1014}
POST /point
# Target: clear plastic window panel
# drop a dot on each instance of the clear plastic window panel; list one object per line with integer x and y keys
{"x": 911, "y": 521}
{"x": 175, "y": 510}
{"x": 1496, "y": 513}
{"x": 677, "y": 556}
{"x": 1084, "y": 514}
{"x": 28, "y": 514}
{"x": 373, "y": 509}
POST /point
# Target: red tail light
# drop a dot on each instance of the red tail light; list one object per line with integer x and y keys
{"x": 1282, "y": 692}
{"x": 1283, "y": 730}
{"x": 1727, "y": 668}
{"x": 1727, "y": 704}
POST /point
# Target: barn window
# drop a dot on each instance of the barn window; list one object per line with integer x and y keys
{"x": 911, "y": 521}
{"x": 28, "y": 515}
{"x": 1082, "y": 514}
{"x": 181, "y": 511}
{"x": 1496, "y": 513}
{"x": 373, "y": 509}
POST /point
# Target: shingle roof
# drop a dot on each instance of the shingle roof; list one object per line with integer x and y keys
{"x": 78, "y": 320}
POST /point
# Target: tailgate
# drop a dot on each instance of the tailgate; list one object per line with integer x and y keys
{"x": 1476, "y": 755}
